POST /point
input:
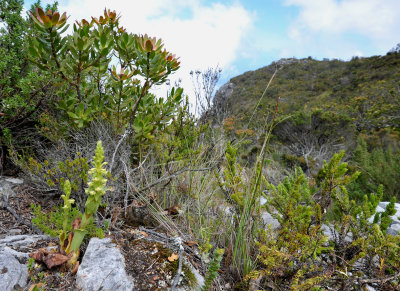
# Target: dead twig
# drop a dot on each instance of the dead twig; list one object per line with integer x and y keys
{"x": 116, "y": 149}
{"x": 5, "y": 205}
{"x": 178, "y": 242}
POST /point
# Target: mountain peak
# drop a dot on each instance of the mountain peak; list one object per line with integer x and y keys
{"x": 395, "y": 49}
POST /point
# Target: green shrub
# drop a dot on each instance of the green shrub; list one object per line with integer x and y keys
{"x": 300, "y": 256}
{"x": 52, "y": 223}
{"x": 88, "y": 89}
{"x": 378, "y": 167}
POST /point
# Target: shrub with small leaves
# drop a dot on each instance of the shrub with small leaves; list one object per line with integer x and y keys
{"x": 301, "y": 255}
{"x": 212, "y": 271}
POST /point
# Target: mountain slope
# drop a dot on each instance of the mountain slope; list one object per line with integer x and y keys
{"x": 367, "y": 90}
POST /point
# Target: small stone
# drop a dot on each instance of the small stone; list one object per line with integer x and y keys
{"x": 14, "y": 231}
{"x": 103, "y": 268}
{"x": 263, "y": 201}
{"x": 269, "y": 220}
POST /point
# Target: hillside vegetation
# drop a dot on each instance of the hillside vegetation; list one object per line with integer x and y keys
{"x": 324, "y": 107}
{"x": 366, "y": 90}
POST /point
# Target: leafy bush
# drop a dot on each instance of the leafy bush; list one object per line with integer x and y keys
{"x": 88, "y": 90}
{"x": 378, "y": 167}
{"x": 24, "y": 92}
{"x": 302, "y": 256}
{"x": 52, "y": 223}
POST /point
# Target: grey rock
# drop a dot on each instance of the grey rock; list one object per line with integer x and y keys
{"x": 269, "y": 220}
{"x": 14, "y": 231}
{"x": 288, "y": 61}
{"x": 5, "y": 190}
{"x": 224, "y": 92}
{"x": 370, "y": 288}
{"x": 6, "y": 185}
{"x": 20, "y": 256}
{"x": 14, "y": 254}
{"x": 199, "y": 278}
{"x": 14, "y": 180}
{"x": 21, "y": 242}
{"x": 393, "y": 229}
{"x": 13, "y": 274}
{"x": 103, "y": 268}
{"x": 380, "y": 209}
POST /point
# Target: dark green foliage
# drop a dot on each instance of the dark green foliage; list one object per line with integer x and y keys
{"x": 22, "y": 89}
{"x": 12, "y": 45}
{"x": 24, "y": 92}
{"x": 385, "y": 216}
{"x": 377, "y": 167}
{"x": 179, "y": 140}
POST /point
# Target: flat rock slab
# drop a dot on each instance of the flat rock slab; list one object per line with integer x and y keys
{"x": 21, "y": 242}
{"x": 13, "y": 274}
{"x": 103, "y": 268}
{"x": 14, "y": 254}
{"x": 13, "y": 180}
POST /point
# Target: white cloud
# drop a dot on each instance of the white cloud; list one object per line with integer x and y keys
{"x": 201, "y": 35}
{"x": 374, "y": 20}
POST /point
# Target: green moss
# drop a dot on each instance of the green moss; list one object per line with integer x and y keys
{"x": 189, "y": 278}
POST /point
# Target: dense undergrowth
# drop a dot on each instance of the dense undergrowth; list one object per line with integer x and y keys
{"x": 71, "y": 88}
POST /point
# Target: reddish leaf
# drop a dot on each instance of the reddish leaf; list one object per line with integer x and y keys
{"x": 50, "y": 259}
{"x": 40, "y": 13}
{"x": 75, "y": 269}
{"x": 174, "y": 210}
{"x": 95, "y": 20}
{"x": 63, "y": 18}
{"x": 54, "y": 260}
{"x": 55, "y": 17}
{"x": 39, "y": 255}
{"x": 76, "y": 223}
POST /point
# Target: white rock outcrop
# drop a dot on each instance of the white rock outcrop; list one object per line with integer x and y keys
{"x": 103, "y": 268}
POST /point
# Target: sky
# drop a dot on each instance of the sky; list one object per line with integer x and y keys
{"x": 243, "y": 35}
